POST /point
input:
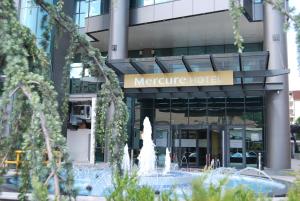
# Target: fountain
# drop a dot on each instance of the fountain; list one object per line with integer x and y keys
{"x": 126, "y": 160}
{"x": 93, "y": 181}
{"x": 167, "y": 162}
{"x": 147, "y": 157}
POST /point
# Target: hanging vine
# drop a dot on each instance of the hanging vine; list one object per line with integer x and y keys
{"x": 34, "y": 120}
{"x": 112, "y": 114}
{"x": 236, "y": 11}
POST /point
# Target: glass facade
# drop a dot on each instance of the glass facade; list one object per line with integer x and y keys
{"x": 141, "y": 3}
{"x": 200, "y": 50}
{"x": 89, "y": 8}
{"x": 31, "y": 16}
{"x": 81, "y": 11}
{"x": 81, "y": 80}
{"x": 193, "y": 129}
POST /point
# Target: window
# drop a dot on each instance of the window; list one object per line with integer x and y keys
{"x": 98, "y": 7}
{"x": 141, "y": 3}
{"x": 31, "y": 16}
{"x": 81, "y": 12}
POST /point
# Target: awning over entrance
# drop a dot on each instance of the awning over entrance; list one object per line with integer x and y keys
{"x": 250, "y": 72}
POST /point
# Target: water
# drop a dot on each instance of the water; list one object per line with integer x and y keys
{"x": 167, "y": 162}
{"x": 147, "y": 156}
{"x": 97, "y": 182}
{"x": 100, "y": 181}
{"x": 90, "y": 181}
{"x": 126, "y": 160}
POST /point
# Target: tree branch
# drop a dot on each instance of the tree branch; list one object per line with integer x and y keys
{"x": 45, "y": 132}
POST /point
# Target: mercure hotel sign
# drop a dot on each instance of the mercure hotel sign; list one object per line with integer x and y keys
{"x": 182, "y": 79}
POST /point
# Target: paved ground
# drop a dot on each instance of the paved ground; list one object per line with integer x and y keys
{"x": 286, "y": 175}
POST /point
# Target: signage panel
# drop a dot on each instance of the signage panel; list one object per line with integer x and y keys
{"x": 182, "y": 79}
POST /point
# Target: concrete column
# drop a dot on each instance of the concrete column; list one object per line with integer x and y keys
{"x": 118, "y": 44}
{"x": 118, "y": 40}
{"x": 277, "y": 102}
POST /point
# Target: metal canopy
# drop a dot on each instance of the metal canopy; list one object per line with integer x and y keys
{"x": 250, "y": 74}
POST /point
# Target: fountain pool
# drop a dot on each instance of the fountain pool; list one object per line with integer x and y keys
{"x": 97, "y": 182}
{"x": 90, "y": 181}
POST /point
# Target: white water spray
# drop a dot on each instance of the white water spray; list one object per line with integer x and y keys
{"x": 167, "y": 162}
{"x": 126, "y": 160}
{"x": 147, "y": 155}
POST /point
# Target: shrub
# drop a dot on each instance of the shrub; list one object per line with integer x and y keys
{"x": 126, "y": 189}
{"x": 294, "y": 192}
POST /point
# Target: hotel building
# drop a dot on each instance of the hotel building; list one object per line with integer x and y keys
{"x": 178, "y": 65}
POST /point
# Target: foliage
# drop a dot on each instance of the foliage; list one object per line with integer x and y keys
{"x": 297, "y": 122}
{"x": 294, "y": 191}
{"x": 216, "y": 192}
{"x": 126, "y": 188}
{"x": 236, "y": 12}
{"x": 112, "y": 114}
{"x": 34, "y": 120}
{"x": 168, "y": 196}
{"x": 41, "y": 193}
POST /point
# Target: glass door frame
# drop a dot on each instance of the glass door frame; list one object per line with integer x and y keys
{"x": 160, "y": 150}
{"x": 163, "y": 127}
{"x": 193, "y": 127}
{"x": 227, "y": 134}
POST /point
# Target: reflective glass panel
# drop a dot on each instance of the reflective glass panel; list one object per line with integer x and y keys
{"x": 227, "y": 62}
{"x": 94, "y": 7}
{"x": 163, "y": 52}
{"x": 173, "y": 65}
{"x": 179, "y": 111}
{"x": 214, "y": 49}
{"x": 162, "y": 1}
{"x": 197, "y": 111}
{"x": 196, "y": 50}
{"x": 235, "y": 111}
{"x": 148, "y": 65}
{"x": 180, "y": 51}
{"x": 253, "y": 62}
{"x": 199, "y": 64}
{"x": 254, "y": 145}
{"x": 197, "y": 115}
{"x": 216, "y": 111}
{"x": 253, "y": 47}
{"x": 162, "y": 111}
{"x": 230, "y": 49}
{"x": 192, "y": 145}
{"x": 254, "y": 116}
{"x": 125, "y": 67}
{"x": 236, "y": 147}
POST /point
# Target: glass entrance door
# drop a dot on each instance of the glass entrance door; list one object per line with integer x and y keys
{"x": 190, "y": 145}
{"x": 236, "y": 149}
{"x": 216, "y": 145}
{"x": 161, "y": 141}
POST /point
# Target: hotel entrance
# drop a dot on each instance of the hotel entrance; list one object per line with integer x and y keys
{"x": 190, "y": 146}
{"x": 187, "y": 96}
{"x": 197, "y": 146}
{"x": 228, "y": 131}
